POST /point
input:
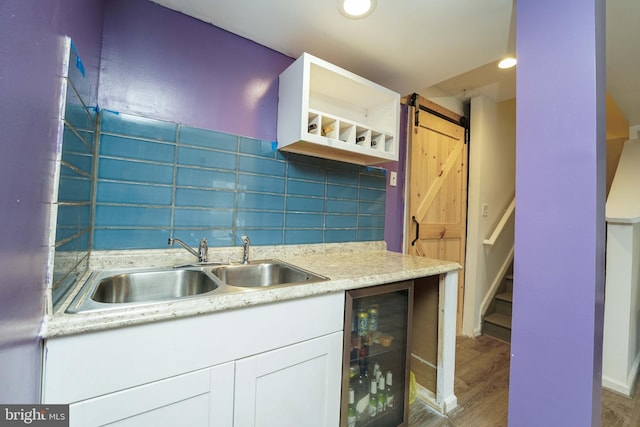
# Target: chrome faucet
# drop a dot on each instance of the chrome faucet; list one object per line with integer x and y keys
{"x": 245, "y": 249}
{"x": 201, "y": 254}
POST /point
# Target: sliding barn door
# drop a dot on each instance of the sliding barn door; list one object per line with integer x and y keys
{"x": 437, "y": 194}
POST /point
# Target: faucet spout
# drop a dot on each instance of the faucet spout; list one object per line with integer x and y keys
{"x": 245, "y": 249}
{"x": 201, "y": 254}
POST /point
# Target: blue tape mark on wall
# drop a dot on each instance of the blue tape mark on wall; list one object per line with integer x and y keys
{"x": 79, "y": 64}
{"x": 274, "y": 145}
{"x": 376, "y": 169}
{"x": 73, "y": 48}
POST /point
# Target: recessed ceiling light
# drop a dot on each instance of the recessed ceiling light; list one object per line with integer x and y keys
{"x": 507, "y": 62}
{"x": 356, "y": 9}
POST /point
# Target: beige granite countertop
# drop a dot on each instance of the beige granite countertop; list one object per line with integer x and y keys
{"x": 348, "y": 266}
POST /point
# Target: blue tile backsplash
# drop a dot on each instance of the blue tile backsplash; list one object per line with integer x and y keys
{"x": 76, "y": 178}
{"x": 158, "y": 179}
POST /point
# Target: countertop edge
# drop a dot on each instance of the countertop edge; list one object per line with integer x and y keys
{"x": 338, "y": 268}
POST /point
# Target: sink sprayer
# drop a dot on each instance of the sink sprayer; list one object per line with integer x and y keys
{"x": 245, "y": 249}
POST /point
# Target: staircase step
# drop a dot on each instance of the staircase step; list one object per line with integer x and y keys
{"x": 497, "y": 325}
{"x": 505, "y": 296}
{"x": 498, "y": 319}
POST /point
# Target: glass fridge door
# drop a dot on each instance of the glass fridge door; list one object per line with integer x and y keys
{"x": 375, "y": 377}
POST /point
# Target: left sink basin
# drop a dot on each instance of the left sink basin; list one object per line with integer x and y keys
{"x": 109, "y": 290}
{"x": 152, "y": 286}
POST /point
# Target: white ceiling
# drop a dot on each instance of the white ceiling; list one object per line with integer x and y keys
{"x": 425, "y": 46}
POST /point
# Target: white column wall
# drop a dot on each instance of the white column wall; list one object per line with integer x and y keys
{"x": 621, "y": 345}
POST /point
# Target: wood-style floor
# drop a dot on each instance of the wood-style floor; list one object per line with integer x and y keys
{"x": 482, "y": 388}
{"x": 620, "y": 411}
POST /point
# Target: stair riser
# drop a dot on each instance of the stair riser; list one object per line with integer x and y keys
{"x": 508, "y": 285}
{"x": 496, "y": 331}
{"x": 504, "y": 307}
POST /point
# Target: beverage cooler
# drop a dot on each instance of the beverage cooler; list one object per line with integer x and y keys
{"x": 375, "y": 374}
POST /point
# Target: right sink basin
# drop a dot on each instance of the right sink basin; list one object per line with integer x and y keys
{"x": 265, "y": 273}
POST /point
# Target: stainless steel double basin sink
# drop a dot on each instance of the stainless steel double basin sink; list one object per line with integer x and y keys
{"x": 109, "y": 290}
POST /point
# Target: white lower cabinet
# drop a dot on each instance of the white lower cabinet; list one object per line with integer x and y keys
{"x": 236, "y": 368}
{"x": 201, "y": 398}
{"x": 297, "y": 385}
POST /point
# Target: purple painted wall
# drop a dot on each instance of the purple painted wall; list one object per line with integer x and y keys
{"x": 560, "y": 186}
{"x": 31, "y": 42}
{"x": 210, "y": 78}
{"x": 394, "y": 208}
{"x": 165, "y": 65}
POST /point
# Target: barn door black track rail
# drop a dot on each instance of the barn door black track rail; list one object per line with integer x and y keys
{"x": 413, "y": 102}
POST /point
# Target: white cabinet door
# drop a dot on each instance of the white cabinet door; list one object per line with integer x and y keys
{"x": 198, "y": 399}
{"x": 297, "y": 385}
{"x": 221, "y": 395}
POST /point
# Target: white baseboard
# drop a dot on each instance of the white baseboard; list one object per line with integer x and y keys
{"x": 627, "y": 387}
{"x": 616, "y": 386}
{"x": 450, "y": 403}
{"x": 427, "y": 396}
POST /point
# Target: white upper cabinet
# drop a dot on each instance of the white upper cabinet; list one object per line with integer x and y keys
{"x": 326, "y": 111}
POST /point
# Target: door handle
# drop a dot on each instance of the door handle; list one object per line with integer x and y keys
{"x": 413, "y": 242}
